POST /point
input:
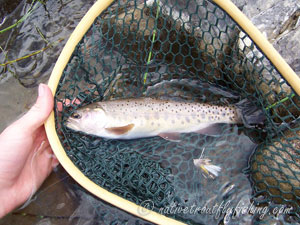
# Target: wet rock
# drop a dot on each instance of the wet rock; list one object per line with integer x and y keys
{"x": 279, "y": 22}
{"x": 288, "y": 41}
{"x": 240, "y": 3}
{"x": 275, "y": 168}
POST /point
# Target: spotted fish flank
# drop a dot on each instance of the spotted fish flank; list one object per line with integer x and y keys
{"x": 148, "y": 117}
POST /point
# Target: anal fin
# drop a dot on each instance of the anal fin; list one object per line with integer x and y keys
{"x": 170, "y": 136}
{"x": 212, "y": 130}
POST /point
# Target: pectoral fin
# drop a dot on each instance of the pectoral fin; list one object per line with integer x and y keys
{"x": 120, "y": 130}
{"x": 170, "y": 136}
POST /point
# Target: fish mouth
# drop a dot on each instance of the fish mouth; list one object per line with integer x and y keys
{"x": 72, "y": 124}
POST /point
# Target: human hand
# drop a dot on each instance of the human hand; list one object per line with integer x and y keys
{"x": 26, "y": 158}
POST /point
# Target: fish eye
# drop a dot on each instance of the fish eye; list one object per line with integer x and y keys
{"x": 75, "y": 116}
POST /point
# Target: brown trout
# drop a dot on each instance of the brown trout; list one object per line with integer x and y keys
{"x": 148, "y": 117}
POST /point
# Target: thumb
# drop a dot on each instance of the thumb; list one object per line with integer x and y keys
{"x": 40, "y": 111}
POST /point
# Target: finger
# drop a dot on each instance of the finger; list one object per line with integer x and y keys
{"x": 36, "y": 170}
{"x": 55, "y": 162}
{"x": 42, "y": 165}
{"x": 49, "y": 153}
{"x": 40, "y": 111}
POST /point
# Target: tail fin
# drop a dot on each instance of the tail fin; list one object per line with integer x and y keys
{"x": 250, "y": 113}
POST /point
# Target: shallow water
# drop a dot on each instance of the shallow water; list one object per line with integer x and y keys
{"x": 18, "y": 81}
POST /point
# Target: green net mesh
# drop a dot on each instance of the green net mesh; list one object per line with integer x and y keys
{"x": 194, "y": 51}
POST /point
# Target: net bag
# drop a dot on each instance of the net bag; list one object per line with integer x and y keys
{"x": 195, "y": 51}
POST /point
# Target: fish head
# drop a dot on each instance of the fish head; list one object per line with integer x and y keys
{"x": 88, "y": 120}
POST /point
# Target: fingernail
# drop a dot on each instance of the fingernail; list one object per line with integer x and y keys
{"x": 41, "y": 90}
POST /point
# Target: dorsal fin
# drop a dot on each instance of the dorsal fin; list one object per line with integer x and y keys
{"x": 120, "y": 130}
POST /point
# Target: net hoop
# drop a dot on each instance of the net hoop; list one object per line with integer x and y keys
{"x": 83, "y": 26}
